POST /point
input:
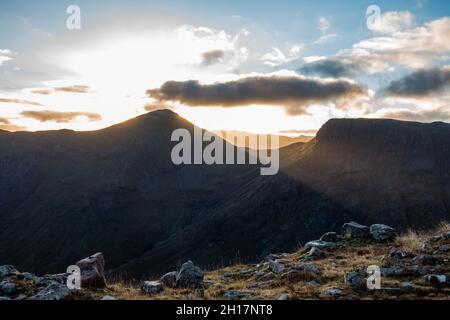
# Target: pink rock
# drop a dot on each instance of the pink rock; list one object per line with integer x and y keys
{"x": 92, "y": 269}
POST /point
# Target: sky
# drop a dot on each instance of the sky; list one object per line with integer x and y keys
{"x": 258, "y": 66}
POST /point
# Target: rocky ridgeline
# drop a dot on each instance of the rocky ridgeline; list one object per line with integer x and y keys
{"x": 321, "y": 268}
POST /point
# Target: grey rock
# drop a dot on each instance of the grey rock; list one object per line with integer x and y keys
{"x": 108, "y": 298}
{"x": 331, "y": 293}
{"x": 319, "y": 244}
{"x": 236, "y": 295}
{"x": 92, "y": 271}
{"x": 267, "y": 277}
{"x": 355, "y": 230}
{"x": 272, "y": 257}
{"x": 314, "y": 254}
{"x": 407, "y": 286}
{"x": 399, "y": 254}
{"x": 54, "y": 291}
{"x": 355, "y": 280}
{"x": 329, "y": 237}
{"x": 5, "y": 299}
{"x": 190, "y": 276}
{"x": 169, "y": 279}
{"x": 307, "y": 267}
{"x": 5, "y": 270}
{"x": 247, "y": 273}
{"x": 152, "y": 287}
{"x": 382, "y": 232}
{"x": 7, "y": 288}
{"x": 392, "y": 271}
{"x": 446, "y": 235}
{"x": 283, "y": 297}
{"x": 276, "y": 267}
{"x": 438, "y": 280}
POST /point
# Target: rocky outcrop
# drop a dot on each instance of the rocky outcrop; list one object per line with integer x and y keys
{"x": 189, "y": 276}
{"x": 355, "y": 230}
{"x": 92, "y": 271}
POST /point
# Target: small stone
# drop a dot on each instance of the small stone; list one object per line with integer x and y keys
{"x": 331, "y": 293}
{"x": 7, "y": 288}
{"x": 438, "y": 280}
{"x": 169, "y": 279}
{"x": 236, "y": 295}
{"x": 54, "y": 291}
{"x": 392, "y": 271}
{"x": 446, "y": 235}
{"x": 152, "y": 287}
{"x": 382, "y": 232}
{"x": 407, "y": 286}
{"x": 108, "y": 298}
{"x": 314, "y": 254}
{"x": 329, "y": 237}
{"x": 398, "y": 254}
{"x": 283, "y": 297}
{"x": 355, "y": 230}
{"x": 355, "y": 280}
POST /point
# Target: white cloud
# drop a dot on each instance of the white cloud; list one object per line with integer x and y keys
{"x": 5, "y": 55}
{"x": 277, "y": 57}
{"x": 394, "y": 21}
{"x": 323, "y": 24}
{"x": 326, "y": 38}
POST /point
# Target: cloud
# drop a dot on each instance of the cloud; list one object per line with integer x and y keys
{"x": 66, "y": 89}
{"x": 59, "y": 117}
{"x": 277, "y": 57}
{"x": 20, "y": 101}
{"x": 323, "y": 24}
{"x": 156, "y": 106}
{"x": 393, "y": 21}
{"x": 294, "y": 93}
{"x": 326, "y": 38}
{"x": 429, "y": 115}
{"x": 331, "y": 68}
{"x": 420, "y": 83}
{"x": 5, "y": 55}
{"x": 5, "y": 124}
{"x": 212, "y": 57}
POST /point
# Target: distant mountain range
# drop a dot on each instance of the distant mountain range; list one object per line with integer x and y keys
{"x": 65, "y": 195}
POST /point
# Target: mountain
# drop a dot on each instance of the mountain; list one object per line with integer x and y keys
{"x": 240, "y": 138}
{"x": 66, "y": 194}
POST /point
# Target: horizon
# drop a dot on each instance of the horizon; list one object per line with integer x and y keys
{"x": 255, "y": 67}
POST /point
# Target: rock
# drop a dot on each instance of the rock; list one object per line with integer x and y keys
{"x": 443, "y": 248}
{"x": 227, "y": 276}
{"x": 382, "y": 232}
{"x": 438, "y": 280}
{"x": 283, "y": 297}
{"x": 314, "y": 254}
{"x": 446, "y": 235}
{"x": 331, "y": 293}
{"x": 108, "y": 298}
{"x": 267, "y": 277}
{"x": 420, "y": 270}
{"x": 7, "y": 270}
{"x": 5, "y": 299}
{"x": 355, "y": 280}
{"x": 407, "y": 286}
{"x": 190, "y": 276}
{"x": 301, "y": 272}
{"x": 392, "y": 271}
{"x": 54, "y": 291}
{"x": 236, "y": 295}
{"x": 329, "y": 237}
{"x": 152, "y": 287}
{"x": 355, "y": 230}
{"x": 92, "y": 269}
{"x": 319, "y": 244}
{"x": 247, "y": 273}
{"x": 276, "y": 267}
{"x": 272, "y": 257}
{"x": 169, "y": 279}
{"x": 399, "y": 254}
{"x": 8, "y": 289}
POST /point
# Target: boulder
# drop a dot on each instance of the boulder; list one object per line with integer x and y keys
{"x": 355, "y": 280}
{"x": 190, "y": 276}
{"x": 329, "y": 237}
{"x": 8, "y": 289}
{"x": 7, "y": 270}
{"x": 399, "y": 254}
{"x": 355, "y": 230}
{"x": 314, "y": 254}
{"x": 319, "y": 244}
{"x": 152, "y": 287}
{"x": 331, "y": 293}
{"x": 283, "y": 297}
{"x": 54, "y": 291}
{"x": 169, "y": 279}
{"x": 108, "y": 298}
{"x": 92, "y": 271}
{"x": 276, "y": 267}
{"x": 438, "y": 280}
{"x": 382, "y": 232}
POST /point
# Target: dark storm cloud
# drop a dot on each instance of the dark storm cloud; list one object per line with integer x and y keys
{"x": 331, "y": 68}
{"x": 212, "y": 57}
{"x": 59, "y": 117}
{"x": 294, "y": 93}
{"x": 419, "y": 83}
